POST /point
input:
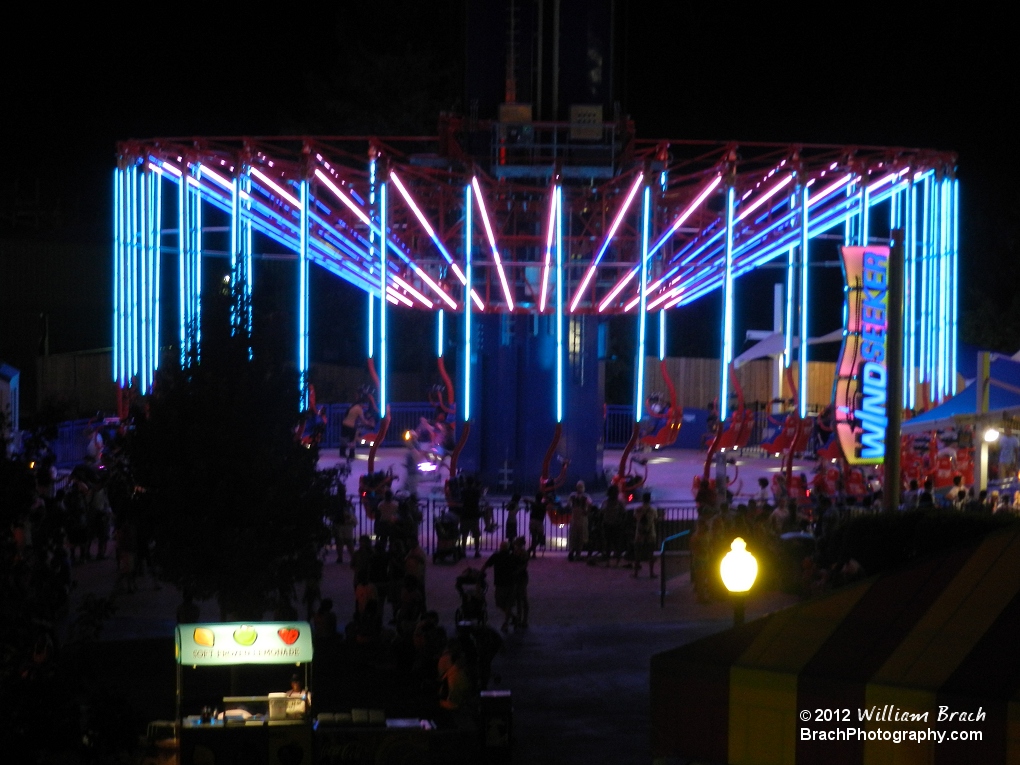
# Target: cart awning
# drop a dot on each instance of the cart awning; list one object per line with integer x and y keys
{"x": 226, "y": 643}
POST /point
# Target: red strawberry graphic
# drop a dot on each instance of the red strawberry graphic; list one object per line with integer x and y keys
{"x": 288, "y": 635}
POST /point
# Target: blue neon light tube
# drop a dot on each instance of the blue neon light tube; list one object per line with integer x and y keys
{"x": 560, "y": 297}
{"x": 303, "y": 297}
{"x": 805, "y": 262}
{"x": 646, "y": 216}
{"x": 467, "y": 302}
{"x": 727, "y": 328}
{"x": 383, "y": 354}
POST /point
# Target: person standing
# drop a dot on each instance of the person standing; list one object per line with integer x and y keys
{"x": 101, "y": 519}
{"x": 503, "y": 565}
{"x": 510, "y": 526}
{"x": 580, "y": 506}
{"x": 910, "y": 496}
{"x": 354, "y": 419}
{"x": 386, "y": 518}
{"x": 536, "y": 524}
{"x": 614, "y": 519}
{"x": 645, "y": 535}
{"x": 471, "y": 513}
{"x": 1009, "y": 450}
{"x": 344, "y": 523}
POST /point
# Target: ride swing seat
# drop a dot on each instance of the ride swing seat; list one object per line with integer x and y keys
{"x": 667, "y": 434}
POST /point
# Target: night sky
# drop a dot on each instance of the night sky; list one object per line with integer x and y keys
{"x": 75, "y": 82}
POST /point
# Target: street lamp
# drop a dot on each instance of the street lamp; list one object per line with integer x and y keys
{"x": 739, "y": 569}
{"x": 991, "y": 435}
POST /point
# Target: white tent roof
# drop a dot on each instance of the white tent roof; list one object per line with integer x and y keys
{"x": 774, "y": 344}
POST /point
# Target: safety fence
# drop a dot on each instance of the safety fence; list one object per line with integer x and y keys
{"x": 674, "y": 560}
{"x": 404, "y": 416}
{"x": 620, "y": 424}
{"x": 439, "y": 532}
{"x": 72, "y": 441}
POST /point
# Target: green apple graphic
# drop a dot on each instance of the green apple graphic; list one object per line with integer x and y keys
{"x": 245, "y": 635}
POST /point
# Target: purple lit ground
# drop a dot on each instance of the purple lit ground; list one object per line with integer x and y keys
{"x": 579, "y": 675}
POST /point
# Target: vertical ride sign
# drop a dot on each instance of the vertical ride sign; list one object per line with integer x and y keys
{"x": 862, "y": 372}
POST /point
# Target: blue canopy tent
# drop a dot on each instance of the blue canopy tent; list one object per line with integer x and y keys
{"x": 1003, "y": 399}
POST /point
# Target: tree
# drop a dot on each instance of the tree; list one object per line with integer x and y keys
{"x": 234, "y": 500}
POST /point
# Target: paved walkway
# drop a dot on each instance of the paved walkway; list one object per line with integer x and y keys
{"x": 579, "y": 676}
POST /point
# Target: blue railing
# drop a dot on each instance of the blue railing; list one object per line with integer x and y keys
{"x": 403, "y": 416}
{"x": 619, "y": 425}
{"x": 71, "y": 443}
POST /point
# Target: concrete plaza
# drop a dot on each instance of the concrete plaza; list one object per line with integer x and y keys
{"x": 579, "y": 675}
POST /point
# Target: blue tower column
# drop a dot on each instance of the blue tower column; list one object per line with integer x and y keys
{"x": 584, "y": 421}
{"x": 515, "y": 406}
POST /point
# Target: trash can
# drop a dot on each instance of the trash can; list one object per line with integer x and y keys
{"x": 497, "y": 718}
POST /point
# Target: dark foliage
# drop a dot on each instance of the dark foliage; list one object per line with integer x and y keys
{"x": 235, "y": 501}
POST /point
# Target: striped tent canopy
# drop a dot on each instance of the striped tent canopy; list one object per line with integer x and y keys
{"x": 942, "y": 632}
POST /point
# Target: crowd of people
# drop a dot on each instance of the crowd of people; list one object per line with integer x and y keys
{"x": 391, "y": 620}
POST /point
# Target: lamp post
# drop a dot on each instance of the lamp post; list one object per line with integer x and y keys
{"x": 739, "y": 570}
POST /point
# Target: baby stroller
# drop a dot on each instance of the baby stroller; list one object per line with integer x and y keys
{"x": 448, "y": 542}
{"x": 471, "y": 586}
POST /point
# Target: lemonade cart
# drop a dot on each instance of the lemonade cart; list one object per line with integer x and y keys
{"x": 243, "y": 690}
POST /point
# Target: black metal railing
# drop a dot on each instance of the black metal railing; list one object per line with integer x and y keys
{"x": 675, "y": 521}
{"x": 674, "y": 553}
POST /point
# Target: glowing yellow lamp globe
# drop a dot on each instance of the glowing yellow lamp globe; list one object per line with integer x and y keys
{"x": 739, "y": 568}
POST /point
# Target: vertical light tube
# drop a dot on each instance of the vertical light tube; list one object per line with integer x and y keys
{"x": 196, "y": 277}
{"x": 561, "y": 289}
{"x": 303, "y": 297}
{"x": 787, "y": 348}
{"x": 639, "y": 386}
{"x": 116, "y": 275}
{"x": 922, "y": 346}
{"x": 133, "y": 293}
{"x": 911, "y": 301}
{"x": 939, "y": 223}
{"x": 145, "y": 219}
{"x": 933, "y": 298}
{"x": 129, "y": 283}
{"x": 182, "y": 269}
{"x": 662, "y": 334}
{"x": 866, "y": 217}
{"x": 439, "y": 333}
{"x": 246, "y": 246}
{"x": 955, "y": 282}
{"x": 125, "y": 378}
{"x": 944, "y": 288}
{"x": 371, "y": 326}
{"x": 805, "y": 262}
{"x": 235, "y": 246}
{"x": 727, "y": 325}
{"x": 467, "y": 301}
{"x": 143, "y": 284}
{"x": 848, "y": 226}
{"x": 383, "y": 371}
{"x": 371, "y": 203}
{"x": 157, "y": 271}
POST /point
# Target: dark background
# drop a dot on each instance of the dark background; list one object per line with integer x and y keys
{"x": 74, "y": 82}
